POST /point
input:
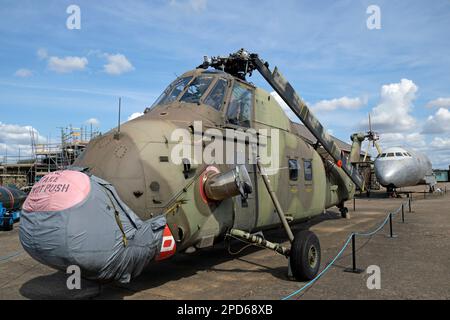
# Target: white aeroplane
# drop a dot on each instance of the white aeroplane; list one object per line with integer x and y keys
{"x": 398, "y": 167}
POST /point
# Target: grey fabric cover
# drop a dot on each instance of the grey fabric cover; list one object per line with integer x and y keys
{"x": 88, "y": 235}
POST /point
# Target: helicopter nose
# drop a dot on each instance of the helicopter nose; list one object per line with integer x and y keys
{"x": 70, "y": 218}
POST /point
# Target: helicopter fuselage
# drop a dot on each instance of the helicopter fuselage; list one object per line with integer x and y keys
{"x": 138, "y": 161}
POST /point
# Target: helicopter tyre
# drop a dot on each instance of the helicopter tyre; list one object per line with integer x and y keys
{"x": 7, "y": 226}
{"x": 305, "y": 256}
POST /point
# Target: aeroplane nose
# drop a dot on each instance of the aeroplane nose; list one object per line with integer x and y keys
{"x": 70, "y": 218}
{"x": 386, "y": 173}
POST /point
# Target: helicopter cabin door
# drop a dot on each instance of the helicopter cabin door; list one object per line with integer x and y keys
{"x": 239, "y": 117}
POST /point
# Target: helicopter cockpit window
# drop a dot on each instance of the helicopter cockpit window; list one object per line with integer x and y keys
{"x": 239, "y": 110}
{"x": 217, "y": 95}
{"x": 383, "y": 155}
{"x": 196, "y": 89}
{"x": 391, "y": 155}
{"x": 172, "y": 92}
{"x": 398, "y": 154}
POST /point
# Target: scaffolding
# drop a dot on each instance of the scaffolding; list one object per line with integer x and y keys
{"x": 25, "y": 171}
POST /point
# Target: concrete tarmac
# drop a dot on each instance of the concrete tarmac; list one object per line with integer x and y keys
{"x": 414, "y": 265}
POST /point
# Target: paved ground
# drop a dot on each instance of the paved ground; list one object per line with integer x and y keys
{"x": 415, "y": 265}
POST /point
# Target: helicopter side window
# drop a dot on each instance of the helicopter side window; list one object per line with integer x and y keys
{"x": 308, "y": 170}
{"x": 239, "y": 110}
{"x": 172, "y": 92}
{"x": 399, "y": 154}
{"x": 391, "y": 155}
{"x": 383, "y": 155}
{"x": 293, "y": 169}
{"x": 196, "y": 89}
{"x": 217, "y": 95}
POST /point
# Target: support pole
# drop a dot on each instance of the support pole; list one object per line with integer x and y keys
{"x": 354, "y": 204}
{"x": 403, "y": 213}
{"x": 257, "y": 240}
{"x": 353, "y": 269}
{"x": 391, "y": 231}
{"x": 409, "y": 204}
{"x": 275, "y": 201}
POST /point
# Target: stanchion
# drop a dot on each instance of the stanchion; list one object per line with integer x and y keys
{"x": 354, "y": 204}
{"x": 409, "y": 204}
{"x": 403, "y": 213}
{"x": 353, "y": 269}
{"x": 391, "y": 231}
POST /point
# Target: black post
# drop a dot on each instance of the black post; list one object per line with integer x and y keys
{"x": 390, "y": 224}
{"x": 354, "y": 204}
{"x": 353, "y": 269}
{"x": 409, "y": 204}
{"x": 353, "y": 252}
{"x": 391, "y": 231}
{"x": 403, "y": 213}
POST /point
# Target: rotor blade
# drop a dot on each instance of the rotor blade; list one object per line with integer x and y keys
{"x": 301, "y": 110}
{"x": 367, "y": 151}
{"x": 377, "y": 146}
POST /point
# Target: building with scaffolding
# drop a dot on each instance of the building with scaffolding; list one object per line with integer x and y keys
{"x": 45, "y": 157}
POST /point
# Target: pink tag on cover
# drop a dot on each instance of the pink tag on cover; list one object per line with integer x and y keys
{"x": 59, "y": 190}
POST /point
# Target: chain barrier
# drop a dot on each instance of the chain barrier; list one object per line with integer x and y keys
{"x": 351, "y": 238}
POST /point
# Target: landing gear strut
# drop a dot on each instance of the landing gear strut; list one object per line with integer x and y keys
{"x": 344, "y": 211}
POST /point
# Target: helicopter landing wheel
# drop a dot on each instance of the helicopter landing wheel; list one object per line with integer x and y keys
{"x": 7, "y": 225}
{"x": 305, "y": 256}
{"x": 344, "y": 213}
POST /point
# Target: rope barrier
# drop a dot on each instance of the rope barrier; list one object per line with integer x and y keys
{"x": 353, "y": 234}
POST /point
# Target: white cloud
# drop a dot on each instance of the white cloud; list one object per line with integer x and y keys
{"x": 67, "y": 64}
{"x": 441, "y": 143}
{"x": 413, "y": 140}
{"x": 340, "y": 103}
{"x": 23, "y": 73}
{"x": 135, "y": 115}
{"x": 42, "y": 54}
{"x": 439, "y": 103}
{"x": 93, "y": 121}
{"x": 439, "y": 123}
{"x": 117, "y": 64}
{"x": 392, "y": 114}
{"x": 323, "y": 105}
{"x": 15, "y": 137}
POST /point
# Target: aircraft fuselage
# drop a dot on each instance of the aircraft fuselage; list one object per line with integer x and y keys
{"x": 400, "y": 167}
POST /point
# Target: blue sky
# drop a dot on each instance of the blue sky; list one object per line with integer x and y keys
{"x": 51, "y": 76}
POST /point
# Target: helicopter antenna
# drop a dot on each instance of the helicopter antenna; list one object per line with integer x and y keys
{"x": 117, "y": 135}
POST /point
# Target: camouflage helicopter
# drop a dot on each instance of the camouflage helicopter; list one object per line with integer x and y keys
{"x": 125, "y": 203}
